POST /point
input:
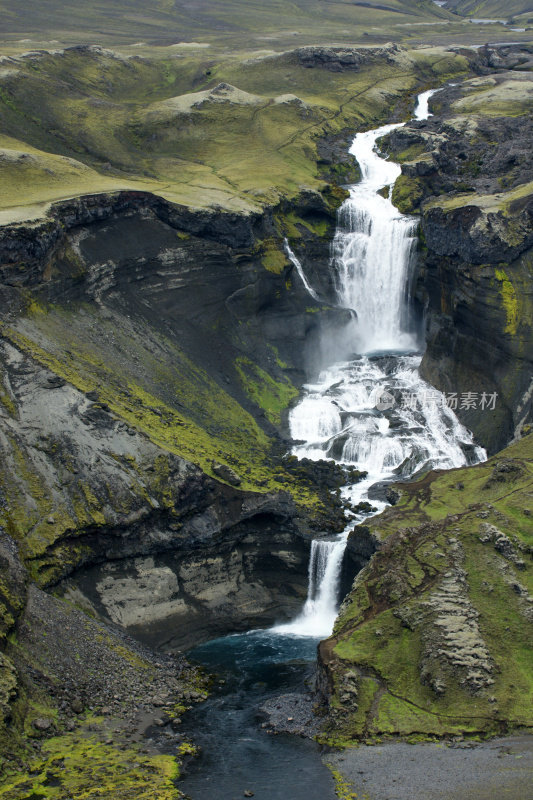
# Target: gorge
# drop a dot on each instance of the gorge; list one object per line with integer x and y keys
{"x": 354, "y": 413}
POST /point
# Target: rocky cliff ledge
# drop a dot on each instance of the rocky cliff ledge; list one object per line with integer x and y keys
{"x": 468, "y": 170}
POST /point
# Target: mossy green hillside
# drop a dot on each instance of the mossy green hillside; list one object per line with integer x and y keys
{"x": 233, "y": 131}
{"x": 438, "y": 569}
{"x": 201, "y": 422}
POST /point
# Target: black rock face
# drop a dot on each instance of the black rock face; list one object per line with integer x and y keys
{"x": 470, "y": 176}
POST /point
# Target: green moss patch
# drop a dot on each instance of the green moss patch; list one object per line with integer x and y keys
{"x": 83, "y": 767}
{"x": 510, "y": 301}
{"x": 270, "y": 395}
{"x": 407, "y": 194}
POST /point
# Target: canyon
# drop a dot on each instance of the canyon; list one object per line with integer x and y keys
{"x": 152, "y": 357}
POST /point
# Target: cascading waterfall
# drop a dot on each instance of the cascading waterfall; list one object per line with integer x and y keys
{"x": 372, "y": 252}
{"x": 373, "y": 412}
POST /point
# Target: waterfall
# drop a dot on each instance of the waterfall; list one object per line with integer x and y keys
{"x": 372, "y": 252}
{"x": 299, "y": 270}
{"x": 320, "y": 608}
{"x": 373, "y": 412}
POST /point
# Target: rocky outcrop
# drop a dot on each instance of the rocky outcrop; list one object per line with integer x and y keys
{"x": 475, "y": 283}
{"x": 74, "y": 252}
{"x": 468, "y": 171}
{"x": 29, "y": 247}
{"x": 340, "y": 59}
{"x": 248, "y": 576}
{"x": 361, "y": 545}
{"x": 478, "y": 235}
{"x": 422, "y": 642}
{"x": 452, "y": 644}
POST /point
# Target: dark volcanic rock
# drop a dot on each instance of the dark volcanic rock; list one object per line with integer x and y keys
{"x": 291, "y": 713}
{"x": 227, "y": 474}
{"x": 470, "y": 175}
{"x": 340, "y": 59}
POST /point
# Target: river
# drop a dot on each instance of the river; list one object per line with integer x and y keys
{"x": 373, "y": 412}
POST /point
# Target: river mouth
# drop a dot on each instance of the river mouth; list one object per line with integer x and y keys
{"x": 237, "y": 753}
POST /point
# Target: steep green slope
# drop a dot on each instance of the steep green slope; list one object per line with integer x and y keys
{"x": 436, "y": 636}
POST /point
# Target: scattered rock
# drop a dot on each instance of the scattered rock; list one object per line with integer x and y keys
{"x": 392, "y": 495}
{"x": 43, "y": 724}
{"x": 54, "y": 382}
{"x": 77, "y": 705}
{"x": 226, "y": 474}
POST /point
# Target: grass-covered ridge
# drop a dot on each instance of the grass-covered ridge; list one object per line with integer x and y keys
{"x": 422, "y": 644}
{"x": 234, "y": 131}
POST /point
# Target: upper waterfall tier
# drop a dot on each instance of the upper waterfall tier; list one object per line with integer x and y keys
{"x": 373, "y": 248}
{"x": 372, "y": 253}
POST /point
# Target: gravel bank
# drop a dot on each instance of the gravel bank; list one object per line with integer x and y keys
{"x": 500, "y": 768}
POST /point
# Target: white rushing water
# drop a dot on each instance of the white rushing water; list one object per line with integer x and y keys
{"x": 373, "y": 412}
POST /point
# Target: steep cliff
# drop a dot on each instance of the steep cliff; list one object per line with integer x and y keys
{"x": 148, "y": 357}
{"x": 469, "y": 172}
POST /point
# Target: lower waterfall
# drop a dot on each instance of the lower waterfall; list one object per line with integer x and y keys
{"x": 373, "y": 412}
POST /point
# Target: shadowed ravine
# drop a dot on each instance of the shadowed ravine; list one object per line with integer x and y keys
{"x": 371, "y": 411}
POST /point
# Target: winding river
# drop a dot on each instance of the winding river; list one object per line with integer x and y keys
{"x": 373, "y": 412}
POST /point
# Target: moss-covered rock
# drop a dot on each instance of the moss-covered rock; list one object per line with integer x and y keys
{"x": 422, "y": 644}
